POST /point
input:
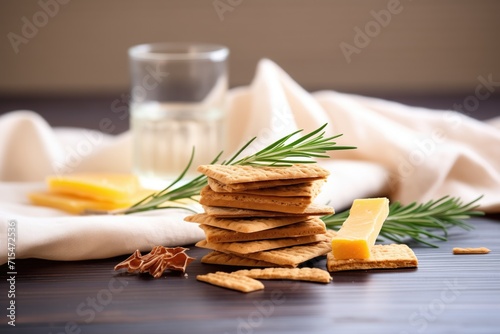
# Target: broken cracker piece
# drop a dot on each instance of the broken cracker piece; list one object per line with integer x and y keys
{"x": 234, "y": 282}
{"x": 469, "y": 250}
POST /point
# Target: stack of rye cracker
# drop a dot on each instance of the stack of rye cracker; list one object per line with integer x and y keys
{"x": 263, "y": 216}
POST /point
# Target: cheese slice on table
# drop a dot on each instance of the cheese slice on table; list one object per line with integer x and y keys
{"x": 79, "y": 192}
{"x": 101, "y": 187}
{"x": 359, "y": 232}
{"x": 78, "y": 205}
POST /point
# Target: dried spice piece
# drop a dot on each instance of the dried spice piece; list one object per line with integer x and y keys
{"x": 157, "y": 261}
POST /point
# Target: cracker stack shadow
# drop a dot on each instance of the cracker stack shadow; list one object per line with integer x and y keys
{"x": 263, "y": 216}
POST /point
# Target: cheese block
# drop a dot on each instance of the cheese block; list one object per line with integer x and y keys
{"x": 359, "y": 232}
{"x": 101, "y": 187}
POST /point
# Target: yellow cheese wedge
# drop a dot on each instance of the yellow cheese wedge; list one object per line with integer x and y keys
{"x": 359, "y": 232}
{"x": 78, "y": 205}
{"x": 102, "y": 187}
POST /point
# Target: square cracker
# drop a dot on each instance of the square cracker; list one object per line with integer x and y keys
{"x": 216, "y": 257}
{"x": 259, "y": 245}
{"x": 242, "y": 174}
{"x": 297, "y": 274}
{"x": 310, "y": 189}
{"x": 293, "y": 256}
{"x": 382, "y": 257}
{"x": 255, "y": 202}
{"x": 248, "y": 186}
{"x": 308, "y": 227}
{"x": 226, "y": 280}
{"x": 225, "y": 212}
{"x": 245, "y": 225}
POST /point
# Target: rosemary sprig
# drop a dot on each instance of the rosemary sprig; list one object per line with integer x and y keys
{"x": 420, "y": 222}
{"x": 280, "y": 153}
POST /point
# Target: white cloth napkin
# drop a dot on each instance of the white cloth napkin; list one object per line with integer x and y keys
{"x": 406, "y": 153}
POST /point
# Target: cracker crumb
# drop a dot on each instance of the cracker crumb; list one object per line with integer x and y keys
{"x": 470, "y": 250}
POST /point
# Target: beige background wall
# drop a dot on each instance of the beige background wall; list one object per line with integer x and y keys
{"x": 428, "y": 47}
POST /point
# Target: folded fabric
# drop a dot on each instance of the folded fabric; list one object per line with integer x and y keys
{"x": 406, "y": 153}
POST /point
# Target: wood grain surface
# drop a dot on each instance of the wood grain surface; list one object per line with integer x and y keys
{"x": 446, "y": 294}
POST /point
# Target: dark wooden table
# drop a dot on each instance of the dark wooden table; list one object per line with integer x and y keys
{"x": 446, "y": 294}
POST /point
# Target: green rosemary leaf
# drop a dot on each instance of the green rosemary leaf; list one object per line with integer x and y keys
{"x": 279, "y": 153}
{"x": 420, "y": 222}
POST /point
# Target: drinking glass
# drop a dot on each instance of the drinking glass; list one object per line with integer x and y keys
{"x": 177, "y": 103}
